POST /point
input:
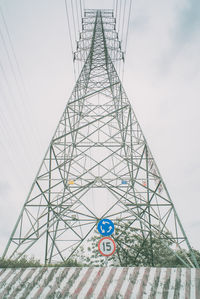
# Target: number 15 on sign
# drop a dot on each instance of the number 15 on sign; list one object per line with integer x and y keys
{"x": 106, "y": 246}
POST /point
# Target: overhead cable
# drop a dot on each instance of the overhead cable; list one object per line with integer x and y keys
{"x": 12, "y": 49}
{"x": 73, "y": 18}
{"x": 75, "y": 32}
{"x": 114, "y": 7}
{"x": 78, "y": 17}
{"x": 123, "y": 20}
{"x": 119, "y": 18}
{"x": 22, "y": 96}
{"x": 116, "y": 11}
{"x": 81, "y": 9}
{"x": 70, "y": 36}
{"x": 12, "y": 121}
{"x": 129, "y": 15}
{"x": 10, "y": 60}
{"x": 69, "y": 27}
{"x": 79, "y": 30}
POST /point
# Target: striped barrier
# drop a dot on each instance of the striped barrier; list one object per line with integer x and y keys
{"x": 105, "y": 282}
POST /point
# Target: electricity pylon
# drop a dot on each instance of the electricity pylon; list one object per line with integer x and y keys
{"x": 98, "y": 164}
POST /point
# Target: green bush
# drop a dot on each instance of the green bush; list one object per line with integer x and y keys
{"x": 23, "y": 262}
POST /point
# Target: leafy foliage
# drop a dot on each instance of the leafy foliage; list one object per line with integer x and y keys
{"x": 68, "y": 263}
{"x": 134, "y": 249}
{"x": 185, "y": 255}
{"x": 141, "y": 250}
{"x": 24, "y": 262}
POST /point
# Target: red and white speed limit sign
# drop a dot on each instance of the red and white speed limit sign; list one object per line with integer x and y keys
{"x": 106, "y": 246}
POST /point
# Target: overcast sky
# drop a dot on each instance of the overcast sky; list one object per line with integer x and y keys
{"x": 162, "y": 80}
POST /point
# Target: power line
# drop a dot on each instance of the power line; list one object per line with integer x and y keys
{"x": 69, "y": 27}
{"x": 122, "y": 31}
{"x": 78, "y": 18}
{"x": 70, "y": 36}
{"x": 122, "y": 13}
{"x": 73, "y": 18}
{"x": 116, "y": 10}
{"x": 119, "y": 20}
{"x": 114, "y": 6}
{"x": 126, "y": 37}
{"x": 18, "y": 71}
{"x": 12, "y": 124}
{"x": 10, "y": 61}
{"x": 129, "y": 15}
{"x": 6, "y": 79}
{"x": 122, "y": 38}
{"x": 79, "y": 30}
{"x": 81, "y": 9}
{"x": 12, "y": 48}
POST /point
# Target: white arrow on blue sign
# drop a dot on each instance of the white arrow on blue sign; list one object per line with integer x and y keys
{"x": 105, "y": 227}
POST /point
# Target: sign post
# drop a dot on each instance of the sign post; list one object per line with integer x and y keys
{"x": 106, "y": 246}
{"x": 105, "y": 227}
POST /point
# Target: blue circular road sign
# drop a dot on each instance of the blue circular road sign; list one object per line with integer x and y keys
{"x": 105, "y": 227}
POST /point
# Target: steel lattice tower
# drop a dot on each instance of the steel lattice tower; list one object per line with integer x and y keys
{"x": 98, "y": 164}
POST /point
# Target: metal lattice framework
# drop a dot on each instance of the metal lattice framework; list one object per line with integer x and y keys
{"x": 98, "y": 164}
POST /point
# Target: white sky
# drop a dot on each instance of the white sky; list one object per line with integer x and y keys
{"x": 162, "y": 80}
